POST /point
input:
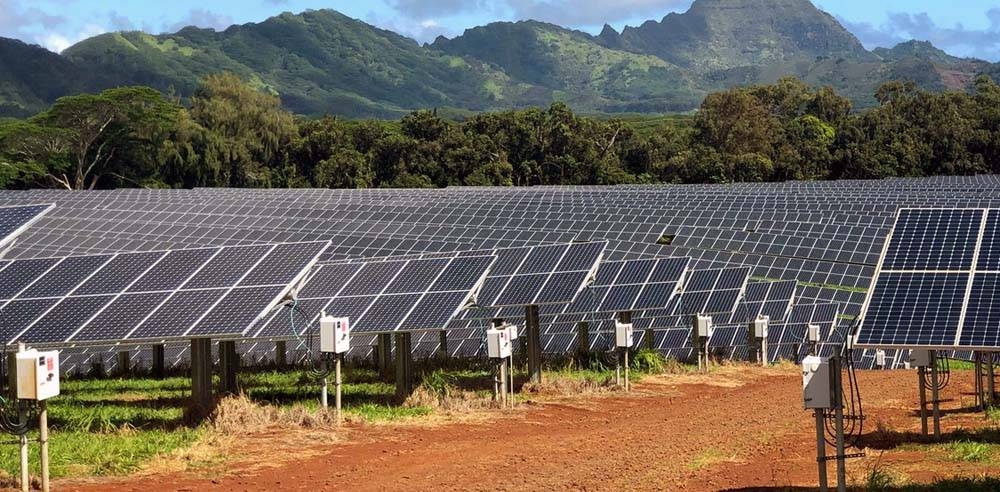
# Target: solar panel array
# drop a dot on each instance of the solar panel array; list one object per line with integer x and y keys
{"x": 154, "y": 295}
{"x": 827, "y": 237}
{"x": 938, "y": 282}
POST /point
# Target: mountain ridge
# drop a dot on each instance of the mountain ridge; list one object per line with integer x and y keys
{"x": 324, "y": 62}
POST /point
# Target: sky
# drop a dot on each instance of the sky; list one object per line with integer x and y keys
{"x": 960, "y": 27}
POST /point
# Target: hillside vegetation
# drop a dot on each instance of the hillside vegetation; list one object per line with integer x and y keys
{"x": 235, "y": 133}
{"x": 321, "y": 62}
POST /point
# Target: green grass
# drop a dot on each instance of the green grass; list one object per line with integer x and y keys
{"x": 970, "y": 451}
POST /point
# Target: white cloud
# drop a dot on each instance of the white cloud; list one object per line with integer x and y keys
{"x": 956, "y": 40}
{"x": 58, "y": 42}
{"x": 576, "y": 13}
{"x": 202, "y": 18}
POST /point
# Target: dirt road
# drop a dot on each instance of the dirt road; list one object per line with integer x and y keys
{"x": 737, "y": 428}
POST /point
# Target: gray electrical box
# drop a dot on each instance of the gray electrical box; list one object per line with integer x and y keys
{"x": 817, "y": 384}
{"x": 920, "y": 358}
{"x": 758, "y": 327}
{"x": 702, "y": 326}
{"x": 814, "y": 333}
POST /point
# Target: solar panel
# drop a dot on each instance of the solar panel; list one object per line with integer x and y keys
{"x": 105, "y": 298}
{"x": 384, "y": 296}
{"x": 933, "y": 287}
{"x": 712, "y": 291}
{"x": 14, "y": 220}
{"x": 541, "y": 274}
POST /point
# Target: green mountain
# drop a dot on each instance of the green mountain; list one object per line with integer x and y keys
{"x": 318, "y": 62}
{"x": 577, "y": 68}
{"x": 32, "y": 77}
{"x": 323, "y": 62}
{"x": 723, "y": 34}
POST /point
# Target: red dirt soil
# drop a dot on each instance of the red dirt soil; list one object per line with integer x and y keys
{"x": 738, "y": 428}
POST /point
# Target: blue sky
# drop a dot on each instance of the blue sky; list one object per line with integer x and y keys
{"x": 963, "y": 28}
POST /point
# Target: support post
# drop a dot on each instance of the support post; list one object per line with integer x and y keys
{"x": 503, "y": 383}
{"x": 384, "y": 354}
{"x": 533, "y": 334}
{"x": 991, "y": 394}
{"x": 443, "y": 351}
{"x": 935, "y": 400}
{"x": 977, "y": 365}
{"x": 124, "y": 363}
{"x": 229, "y": 366}
{"x": 159, "y": 366}
{"x": 839, "y": 424}
{"x": 338, "y": 383}
{"x": 582, "y": 339}
{"x": 201, "y": 376}
{"x": 628, "y": 384}
{"x": 25, "y": 476}
{"x": 280, "y": 354}
{"x": 324, "y": 385}
{"x": 821, "y": 449}
{"x": 922, "y": 381}
{"x": 404, "y": 365}
{"x": 648, "y": 340}
{"x": 43, "y": 441}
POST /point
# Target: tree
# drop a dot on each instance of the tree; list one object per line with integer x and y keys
{"x": 248, "y": 132}
{"x": 100, "y": 126}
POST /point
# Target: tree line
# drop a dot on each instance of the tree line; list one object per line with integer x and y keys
{"x": 230, "y": 133}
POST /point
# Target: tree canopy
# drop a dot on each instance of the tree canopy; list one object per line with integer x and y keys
{"x": 234, "y": 134}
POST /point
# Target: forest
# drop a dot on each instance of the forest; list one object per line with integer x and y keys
{"x": 229, "y": 133}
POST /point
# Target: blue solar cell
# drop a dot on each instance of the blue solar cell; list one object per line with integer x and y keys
{"x": 989, "y": 250}
{"x": 581, "y": 256}
{"x": 237, "y": 311}
{"x": 914, "y": 309}
{"x": 655, "y": 296}
{"x": 18, "y": 314}
{"x": 521, "y": 290}
{"x": 16, "y": 217}
{"x": 172, "y": 270}
{"x": 432, "y": 311}
{"x": 120, "y": 317}
{"x": 177, "y": 314}
{"x": 227, "y": 267}
{"x": 372, "y": 278}
{"x": 462, "y": 273}
{"x": 329, "y": 280}
{"x": 386, "y": 313}
{"x": 417, "y": 276}
{"x": 982, "y": 317}
{"x": 62, "y": 320}
{"x": 65, "y": 276}
{"x": 933, "y": 240}
{"x": 20, "y": 273}
{"x": 283, "y": 264}
{"x": 118, "y": 273}
{"x": 669, "y": 269}
{"x": 542, "y": 259}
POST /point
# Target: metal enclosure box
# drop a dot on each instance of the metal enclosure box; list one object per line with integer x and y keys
{"x": 512, "y": 332}
{"x": 759, "y": 327}
{"x": 879, "y": 358}
{"x": 37, "y": 374}
{"x": 703, "y": 326}
{"x": 920, "y": 358}
{"x": 623, "y": 334}
{"x": 334, "y": 335}
{"x": 498, "y": 343}
{"x": 817, "y": 387}
{"x": 813, "y": 333}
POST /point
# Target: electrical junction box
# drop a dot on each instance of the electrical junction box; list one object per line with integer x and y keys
{"x": 759, "y": 327}
{"x": 498, "y": 343}
{"x": 879, "y": 358}
{"x": 920, "y": 358}
{"x": 512, "y": 332}
{"x": 817, "y": 387}
{"x": 37, "y": 374}
{"x": 703, "y": 326}
{"x": 334, "y": 334}
{"x": 813, "y": 333}
{"x": 623, "y": 334}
